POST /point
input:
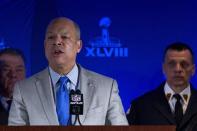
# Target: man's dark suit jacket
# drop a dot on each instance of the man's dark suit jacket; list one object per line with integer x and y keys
{"x": 3, "y": 116}
{"x": 153, "y": 109}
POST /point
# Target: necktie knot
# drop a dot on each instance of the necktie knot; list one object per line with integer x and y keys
{"x": 63, "y": 80}
{"x": 177, "y": 97}
{"x": 62, "y": 83}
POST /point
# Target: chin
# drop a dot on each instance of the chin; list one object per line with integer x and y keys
{"x": 180, "y": 84}
{"x": 59, "y": 64}
{"x": 58, "y": 61}
{"x": 56, "y": 65}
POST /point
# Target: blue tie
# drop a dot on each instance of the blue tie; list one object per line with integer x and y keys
{"x": 62, "y": 102}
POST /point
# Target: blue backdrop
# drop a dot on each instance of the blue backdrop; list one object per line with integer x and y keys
{"x": 142, "y": 27}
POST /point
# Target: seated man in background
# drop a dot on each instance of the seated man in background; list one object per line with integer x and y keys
{"x": 12, "y": 69}
{"x": 174, "y": 102}
{"x": 43, "y": 99}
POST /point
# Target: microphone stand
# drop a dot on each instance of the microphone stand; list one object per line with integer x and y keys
{"x": 77, "y": 118}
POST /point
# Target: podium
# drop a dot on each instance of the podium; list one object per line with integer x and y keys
{"x": 87, "y": 128}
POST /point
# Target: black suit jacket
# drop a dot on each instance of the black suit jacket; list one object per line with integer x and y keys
{"x": 3, "y": 115}
{"x": 153, "y": 109}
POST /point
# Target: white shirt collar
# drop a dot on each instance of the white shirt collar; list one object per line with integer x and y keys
{"x": 187, "y": 91}
{"x": 72, "y": 75}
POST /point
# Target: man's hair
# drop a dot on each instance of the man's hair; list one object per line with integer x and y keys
{"x": 179, "y": 46}
{"x": 13, "y": 51}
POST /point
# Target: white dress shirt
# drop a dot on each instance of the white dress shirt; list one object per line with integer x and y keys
{"x": 185, "y": 95}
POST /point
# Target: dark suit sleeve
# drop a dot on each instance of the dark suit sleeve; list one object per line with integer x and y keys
{"x": 132, "y": 115}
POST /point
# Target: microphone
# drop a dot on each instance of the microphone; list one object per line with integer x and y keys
{"x": 78, "y": 91}
{"x": 72, "y": 92}
{"x": 76, "y": 104}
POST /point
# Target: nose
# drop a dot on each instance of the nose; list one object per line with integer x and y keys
{"x": 178, "y": 68}
{"x": 12, "y": 74}
{"x": 58, "y": 41}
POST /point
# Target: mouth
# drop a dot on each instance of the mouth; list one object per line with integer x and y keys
{"x": 178, "y": 77}
{"x": 57, "y": 52}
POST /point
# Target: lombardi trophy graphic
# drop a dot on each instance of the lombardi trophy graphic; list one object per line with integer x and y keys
{"x": 105, "y": 40}
{"x": 104, "y": 45}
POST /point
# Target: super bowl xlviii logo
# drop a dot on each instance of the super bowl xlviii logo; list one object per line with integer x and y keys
{"x": 105, "y": 46}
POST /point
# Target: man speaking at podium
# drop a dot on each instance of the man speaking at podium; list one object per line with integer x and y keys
{"x": 43, "y": 99}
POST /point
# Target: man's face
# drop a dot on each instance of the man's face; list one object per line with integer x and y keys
{"x": 12, "y": 70}
{"x": 61, "y": 44}
{"x": 178, "y": 68}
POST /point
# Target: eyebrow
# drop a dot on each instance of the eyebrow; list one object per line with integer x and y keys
{"x": 49, "y": 33}
{"x": 18, "y": 66}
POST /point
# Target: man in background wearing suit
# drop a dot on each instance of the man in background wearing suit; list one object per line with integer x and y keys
{"x": 42, "y": 99}
{"x": 12, "y": 69}
{"x": 174, "y": 102}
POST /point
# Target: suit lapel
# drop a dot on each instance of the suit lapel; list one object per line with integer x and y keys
{"x": 86, "y": 85}
{"x": 45, "y": 92}
{"x": 161, "y": 103}
{"x": 191, "y": 109}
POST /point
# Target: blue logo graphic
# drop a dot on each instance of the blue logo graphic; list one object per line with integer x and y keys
{"x": 105, "y": 46}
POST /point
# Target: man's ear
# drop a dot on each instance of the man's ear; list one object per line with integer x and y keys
{"x": 79, "y": 45}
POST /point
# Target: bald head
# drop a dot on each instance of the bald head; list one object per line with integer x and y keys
{"x": 64, "y": 21}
